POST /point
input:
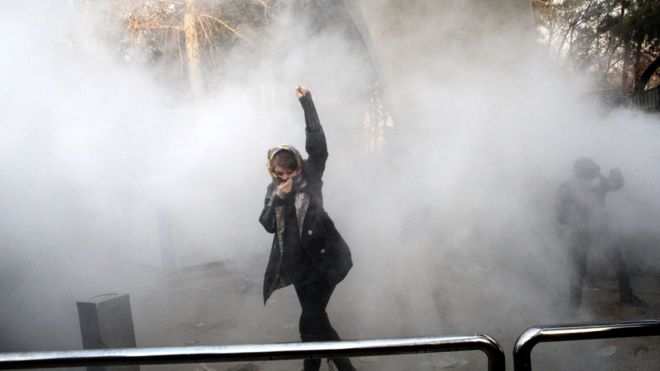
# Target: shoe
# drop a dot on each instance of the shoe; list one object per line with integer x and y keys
{"x": 343, "y": 364}
{"x": 311, "y": 365}
{"x": 632, "y": 299}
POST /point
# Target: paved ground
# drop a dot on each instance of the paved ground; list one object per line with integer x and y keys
{"x": 222, "y": 305}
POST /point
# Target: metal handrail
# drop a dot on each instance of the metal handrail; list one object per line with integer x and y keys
{"x": 256, "y": 352}
{"x": 522, "y": 351}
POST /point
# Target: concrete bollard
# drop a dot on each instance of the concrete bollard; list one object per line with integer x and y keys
{"x": 106, "y": 322}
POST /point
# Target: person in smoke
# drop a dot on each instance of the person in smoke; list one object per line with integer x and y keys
{"x": 581, "y": 210}
{"x": 307, "y": 250}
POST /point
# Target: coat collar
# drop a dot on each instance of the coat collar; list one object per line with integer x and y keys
{"x": 301, "y": 204}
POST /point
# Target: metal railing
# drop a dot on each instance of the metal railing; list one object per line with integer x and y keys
{"x": 256, "y": 352}
{"x": 647, "y": 100}
{"x": 522, "y": 351}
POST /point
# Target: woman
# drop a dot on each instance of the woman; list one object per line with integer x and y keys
{"x": 307, "y": 250}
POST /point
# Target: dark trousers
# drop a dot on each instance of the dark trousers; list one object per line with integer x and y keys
{"x": 580, "y": 244}
{"x": 314, "y": 322}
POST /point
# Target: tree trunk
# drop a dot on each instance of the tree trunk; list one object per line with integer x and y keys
{"x": 644, "y": 78}
{"x": 637, "y": 57}
{"x": 192, "y": 50}
{"x": 626, "y": 52}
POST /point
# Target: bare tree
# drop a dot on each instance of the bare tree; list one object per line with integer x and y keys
{"x": 617, "y": 41}
{"x": 182, "y": 37}
{"x": 192, "y": 49}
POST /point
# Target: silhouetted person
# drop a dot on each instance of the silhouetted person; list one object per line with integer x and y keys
{"x": 581, "y": 208}
{"x": 307, "y": 250}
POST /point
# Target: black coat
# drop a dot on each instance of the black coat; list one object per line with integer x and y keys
{"x": 319, "y": 239}
{"x": 581, "y": 202}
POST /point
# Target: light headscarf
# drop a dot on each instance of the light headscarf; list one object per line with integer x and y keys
{"x": 274, "y": 151}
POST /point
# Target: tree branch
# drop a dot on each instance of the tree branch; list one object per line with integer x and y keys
{"x": 235, "y": 32}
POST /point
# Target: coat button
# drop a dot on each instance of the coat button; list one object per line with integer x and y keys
{"x": 309, "y": 232}
{"x": 322, "y": 251}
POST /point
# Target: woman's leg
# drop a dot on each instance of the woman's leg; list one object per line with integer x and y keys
{"x": 314, "y": 322}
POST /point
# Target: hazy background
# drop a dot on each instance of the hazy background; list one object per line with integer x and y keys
{"x": 451, "y": 223}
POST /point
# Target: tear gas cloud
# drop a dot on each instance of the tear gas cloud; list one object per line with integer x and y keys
{"x": 95, "y": 152}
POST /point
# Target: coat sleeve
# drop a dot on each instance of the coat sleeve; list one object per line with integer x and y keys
{"x": 315, "y": 143}
{"x": 267, "y": 218}
{"x": 612, "y": 183}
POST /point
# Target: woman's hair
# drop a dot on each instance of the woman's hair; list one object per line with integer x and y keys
{"x": 285, "y": 159}
{"x": 285, "y": 156}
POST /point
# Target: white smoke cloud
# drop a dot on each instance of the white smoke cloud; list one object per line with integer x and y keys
{"x": 95, "y": 152}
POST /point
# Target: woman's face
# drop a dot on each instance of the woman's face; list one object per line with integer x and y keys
{"x": 283, "y": 173}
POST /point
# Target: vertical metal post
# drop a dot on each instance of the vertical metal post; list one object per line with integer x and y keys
{"x": 166, "y": 241}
